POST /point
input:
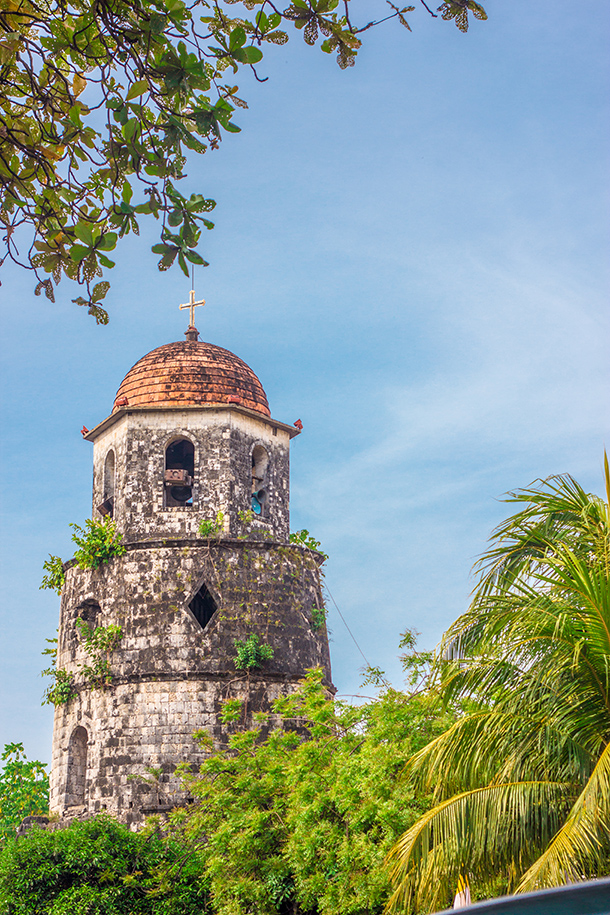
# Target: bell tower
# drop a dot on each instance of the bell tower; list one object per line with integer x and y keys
{"x": 195, "y": 473}
{"x": 191, "y": 435}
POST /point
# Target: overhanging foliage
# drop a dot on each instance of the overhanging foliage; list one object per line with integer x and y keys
{"x": 101, "y": 102}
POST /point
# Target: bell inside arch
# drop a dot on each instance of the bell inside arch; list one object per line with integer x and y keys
{"x": 179, "y": 473}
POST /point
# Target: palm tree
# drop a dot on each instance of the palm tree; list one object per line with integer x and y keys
{"x": 521, "y": 782}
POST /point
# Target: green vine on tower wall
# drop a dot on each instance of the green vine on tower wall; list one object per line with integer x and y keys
{"x": 98, "y": 643}
{"x": 62, "y": 687}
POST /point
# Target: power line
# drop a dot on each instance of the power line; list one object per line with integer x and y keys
{"x": 368, "y": 664}
{"x": 346, "y": 626}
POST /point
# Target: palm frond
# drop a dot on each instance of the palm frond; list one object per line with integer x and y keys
{"x": 607, "y": 484}
{"x": 583, "y": 841}
{"x": 496, "y": 746}
{"x": 551, "y": 634}
{"x": 556, "y": 511}
{"x": 476, "y": 832}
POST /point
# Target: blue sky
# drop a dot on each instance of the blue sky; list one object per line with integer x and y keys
{"x": 412, "y": 256}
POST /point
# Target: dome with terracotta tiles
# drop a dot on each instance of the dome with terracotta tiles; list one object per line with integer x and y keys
{"x": 189, "y": 374}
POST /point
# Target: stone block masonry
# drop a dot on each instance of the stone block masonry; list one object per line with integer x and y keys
{"x": 170, "y": 675}
{"x": 223, "y": 442}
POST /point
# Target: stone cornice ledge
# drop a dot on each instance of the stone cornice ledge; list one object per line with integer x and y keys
{"x": 91, "y": 435}
{"x": 181, "y": 542}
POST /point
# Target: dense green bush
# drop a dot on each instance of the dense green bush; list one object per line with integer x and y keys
{"x": 298, "y": 819}
{"x": 251, "y": 652}
{"x": 99, "y": 867}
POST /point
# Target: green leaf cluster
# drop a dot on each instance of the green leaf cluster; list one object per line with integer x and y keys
{"x": 55, "y": 578}
{"x": 99, "y": 867}
{"x": 210, "y": 527}
{"x": 251, "y": 652}
{"x": 304, "y": 538}
{"x": 103, "y": 101}
{"x": 318, "y": 615}
{"x": 97, "y": 542}
{"x": 61, "y": 688}
{"x": 522, "y": 783}
{"x": 24, "y": 789}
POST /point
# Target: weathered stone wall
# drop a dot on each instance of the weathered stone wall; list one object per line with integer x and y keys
{"x": 224, "y": 441}
{"x": 170, "y": 676}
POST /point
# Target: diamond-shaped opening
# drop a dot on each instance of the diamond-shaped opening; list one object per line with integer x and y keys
{"x": 203, "y": 606}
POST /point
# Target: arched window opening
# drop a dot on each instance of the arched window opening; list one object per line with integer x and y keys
{"x": 260, "y": 465}
{"x": 77, "y": 768}
{"x": 89, "y": 611}
{"x": 203, "y": 606}
{"x": 107, "y": 506}
{"x": 179, "y": 473}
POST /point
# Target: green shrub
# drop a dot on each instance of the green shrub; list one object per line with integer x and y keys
{"x": 99, "y": 867}
{"x": 299, "y": 817}
{"x": 97, "y": 543}
{"x": 318, "y": 615}
{"x": 61, "y": 689}
{"x": 304, "y": 538}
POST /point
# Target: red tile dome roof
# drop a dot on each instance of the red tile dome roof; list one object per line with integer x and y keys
{"x": 191, "y": 373}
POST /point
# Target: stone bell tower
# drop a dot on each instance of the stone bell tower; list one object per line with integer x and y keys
{"x": 190, "y": 439}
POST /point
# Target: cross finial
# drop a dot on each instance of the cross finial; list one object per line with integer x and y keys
{"x": 192, "y": 305}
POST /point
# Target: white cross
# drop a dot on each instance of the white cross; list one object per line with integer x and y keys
{"x": 192, "y": 304}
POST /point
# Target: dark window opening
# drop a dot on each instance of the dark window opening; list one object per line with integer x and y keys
{"x": 77, "y": 768}
{"x": 107, "y": 506}
{"x": 89, "y": 611}
{"x": 203, "y": 606}
{"x": 179, "y": 473}
{"x": 260, "y": 464}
